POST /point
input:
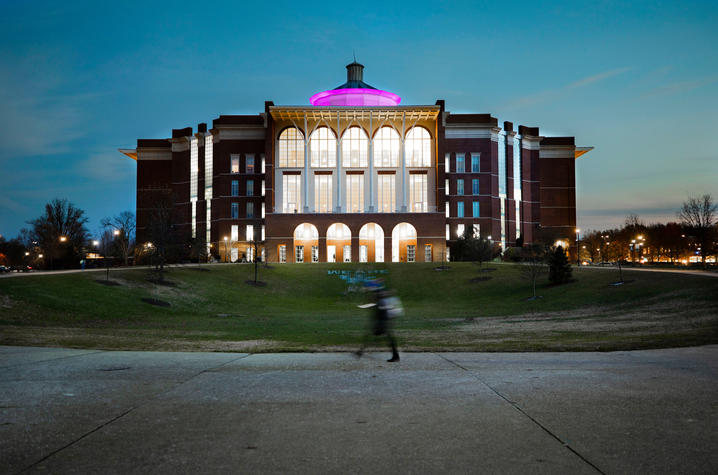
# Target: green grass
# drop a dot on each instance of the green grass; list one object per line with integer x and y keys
{"x": 303, "y": 308}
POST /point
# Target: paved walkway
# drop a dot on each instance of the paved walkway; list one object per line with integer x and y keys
{"x": 83, "y": 411}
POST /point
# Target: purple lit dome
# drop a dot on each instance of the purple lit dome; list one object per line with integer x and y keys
{"x": 355, "y": 92}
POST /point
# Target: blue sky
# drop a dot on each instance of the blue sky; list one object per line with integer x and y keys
{"x": 639, "y": 81}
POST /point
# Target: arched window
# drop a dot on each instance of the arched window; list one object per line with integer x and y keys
{"x": 418, "y": 147}
{"x": 386, "y": 147}
{"x": 323, "y": 148}
{"x": 291, "y": 148}
{"x": 355, "y": 148}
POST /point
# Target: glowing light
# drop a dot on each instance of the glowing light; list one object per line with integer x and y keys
{"x": 27, "y": 253}
{"x": 40, "y": 256}
{"x": 116, "y": 232}
{"x": 63, "y": 238}
{"x": 355, "y": 97}
{"x": 95, "y": 243}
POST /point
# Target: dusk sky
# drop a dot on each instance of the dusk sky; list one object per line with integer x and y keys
{"x": 638, "y": 81}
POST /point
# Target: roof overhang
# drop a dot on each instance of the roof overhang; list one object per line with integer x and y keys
{"x": 582, "y": 150}
{"x": 130, "y": 152}
{"x": 410, "y": 113}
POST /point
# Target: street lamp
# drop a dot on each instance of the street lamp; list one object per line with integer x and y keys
{"x": 578, "y": 253}
{"x": 225, "y": 249}
{"x": 63, "y": 238}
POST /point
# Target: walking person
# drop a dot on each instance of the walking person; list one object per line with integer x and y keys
{"x": 386, "y": 308}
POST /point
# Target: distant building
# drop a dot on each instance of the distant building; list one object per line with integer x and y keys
{"x": 357, "y": 177}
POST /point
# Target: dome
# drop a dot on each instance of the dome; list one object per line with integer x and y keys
{"x": 355, "y": 92}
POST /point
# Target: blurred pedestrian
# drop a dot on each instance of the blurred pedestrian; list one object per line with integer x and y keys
{"x": 386, "y": 307}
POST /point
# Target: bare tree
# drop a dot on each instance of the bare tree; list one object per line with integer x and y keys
{"x": 533, "y": 265}
{"x": 60, "y": 232}
{"x": 160, "y": 233}
{"x": 699, "y": 216}
{"x": 123, "y": 228}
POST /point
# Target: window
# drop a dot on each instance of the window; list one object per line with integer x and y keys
{"x": 475, "y": 186}
{"x": 417, "y": 193}
{"x": 387, "y": 195}
{"x": 235, "y": 188}
{"x": 264, "y": 191}
{"x": 386, "y": 147}
{"x": 249, "y": 255}
{"x": 235, "y": 233}
{"x": 193, "y": 169}
{"x": 282, "y": 254}
{"x": 315, "y": 253}
{"x": 299, "y": 254}
{"x": 460, "y": 209}
{"x": 250, "y": 187}
{"x": 249, "y": 236}
{"x": 208, "y": 167}
{"x": 235, "y": 210}
{"x": 291, "y": 148}
{"x": 249, "y": 165}
{"x": 263, "y": 169}
{"x": 235, "y": 164}
{"x": 410, "y": 253}
{"x": 291, "y": 193}
{"x": 446, "y": 186}
{"x": 263, "y": 210}
{"x": 323, "y": 193}
{"x": 262, "y": 238}
{"x": 477, "y": 231}
{"x": 427, "y": 253}
{"x": 502, "y": 164}
{"x": 355, "y": 193}
{"x": 448, "y": 232}
{"x": 460, "y": 164}
{"x": 347, "y": 253}
{"x": 418, "y": 147}
{"x": 460, "y": 230}
{"x": 475, "y": 163}
{"x": 475, "y": 206}
{"x": 323, "y": 148}
{"x": 459, "y": 187}
{"x": 447, "y": 158}
{"x": 250, "y": 210}
{"x": 446, "y": 207}
{"x": 355, "y": 148}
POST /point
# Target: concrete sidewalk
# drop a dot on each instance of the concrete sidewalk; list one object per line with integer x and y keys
{"x": 82, "y": 411}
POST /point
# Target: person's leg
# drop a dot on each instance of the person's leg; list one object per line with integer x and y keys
{"x": 394, "y": 351}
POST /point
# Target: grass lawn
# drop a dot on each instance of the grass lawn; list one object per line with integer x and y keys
{"x": 304, "y": 308}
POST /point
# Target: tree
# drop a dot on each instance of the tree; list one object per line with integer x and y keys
{"x": 559, "y": 268}
{"x": 614, "y": 251}
{"x": 471, "y": 248}
{"x": 255, "y": 242}
{"x": 160, "y": 232}
{"x": 699, "y": 216}
{"x": 12, "y": 252}
{"x": 60, "y": 232}
{"x": 199, "y": 249}
{"x": 533, "y": 265}
{"x": 123, "y": 229}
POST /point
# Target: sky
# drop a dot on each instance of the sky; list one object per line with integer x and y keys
{"x": 636, "y": 80}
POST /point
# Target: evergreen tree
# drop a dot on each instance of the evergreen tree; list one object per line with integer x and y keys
{"x": 559, "y": 268}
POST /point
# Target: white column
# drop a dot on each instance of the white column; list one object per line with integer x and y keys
{"x": 305, "y": 177}
{"x": 340, "y": 201}
{"x": 403, "y": 164}
{"x": 371, "y": 166}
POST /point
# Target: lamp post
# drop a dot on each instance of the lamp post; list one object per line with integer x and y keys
{"x": 578, "y": 253}
{"x": 225, "y": 249}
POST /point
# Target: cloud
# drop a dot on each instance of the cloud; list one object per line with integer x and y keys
{"x": 11, "y": 205}
{"x": 106, "y": 167}
{"x": 548, "y": 94}
{"x": 678, "y": 87}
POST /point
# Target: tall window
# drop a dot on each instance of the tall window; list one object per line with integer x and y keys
{"x": 387, "y": 195}
{"x": 234, "y": 168}
{"x": 250, "y": 209}
{"x": 459, "y": 187}
{"x": 282, "y": 253}
{"x": 475, "y": 186}
{"x": 355, "y": 148}
{"x": 460, "y": 230}
{"x": 323, "y": 193}
{"x": 299, "y": 254}
{"x": 502, "y": 164}
{"x": 249, "y": 164}
{"x": 475, "y": 210}
{"x": 446, "y": 208}
{"x": 250, "y": 187}
{"x": 475, "y": 162}
{"x": 235, "y": 232}
{"x": 418, "y": 147}
{"x": 235, "y": 188}
{"x": 386, "y": 147}
{"x": 446, "y": 186}
{"x": 291, "y": 193}
{"x": 477, "y": 231}
{"x": 460, "y": 168}
{"x": 235, "y": 210}
{"x": 460, "y": 209}
{"x": 417, "y": 193}
{"x": 249, "y": 232}
{"x": 355, "y": 193}
{"x": 323, "y": 148}
{"x": 291, "y": 148}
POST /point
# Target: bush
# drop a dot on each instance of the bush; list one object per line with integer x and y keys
{"x": 559, "y": 268}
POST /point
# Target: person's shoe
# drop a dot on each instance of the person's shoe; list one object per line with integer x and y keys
{"x": 358, "y": 353}
{"x": 393, "y": 359}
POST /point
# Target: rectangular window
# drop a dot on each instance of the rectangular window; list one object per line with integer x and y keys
{"x": 411, "y": 253}
{"x": 447, "y": 157}
{"x": 477, "y": 231}
{"x": 193, "y": 168}
{"x": 355, "y": 193}
{"x": 460, "y": 209}
{"x": 459, "y": 187}
{"x": 475, "y": 162}
{"x": 448, "y": 232}
{"x": 460, "y": 164}
{"x": 315, "y": 253}
{"x": 249, "y": 236}
{"x": 323, "y": 193}
{"x": 264, "y": 191}
{"x": 446, "y": 208}
{"x": 263, "y": 210}
{"x": 208, "y": 165}
{"x": 235, "y": 164}
{"x": 282, "y": 254}
{"x": 446, "y": 186}
{"x": 475, "y": 206}
{"x": 235, "y": 233}
{"x": 249, "y": 255}
{"x": 475, "y": 186}
{"x": 262, "y": 238}
{"x": 417, "y": 193}
{"x": 427, "y": 253}
{"x": 235, "y": 210}
{"x": 291, "y": 193}
{"x": 250, "y": 210}
{"x": 460, "y": 230}
{"x": 263, "y": 169}
{"x": 299, "y": 254}
{"x": 387, "y": 194}
{"x": 347, "y": 253}
{"x": 250, "y": 187}
{"x": 249, "y": 165}
{"x": 235, "y": 188}
{"x": 502, "y": 164}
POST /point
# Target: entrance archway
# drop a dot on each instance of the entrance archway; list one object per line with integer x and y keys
{"x": 306, "y": 243}
{"x": 371, "y": 243}
{"x": 403, "y": 243}
{"x": 339, "y": 243}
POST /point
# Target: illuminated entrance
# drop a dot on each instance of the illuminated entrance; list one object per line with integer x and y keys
{"x": 339, "y": 243}
{"x": 403, "y": 243}
{"x": 306, "y": 243}
{"x": 371, "y": 243}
